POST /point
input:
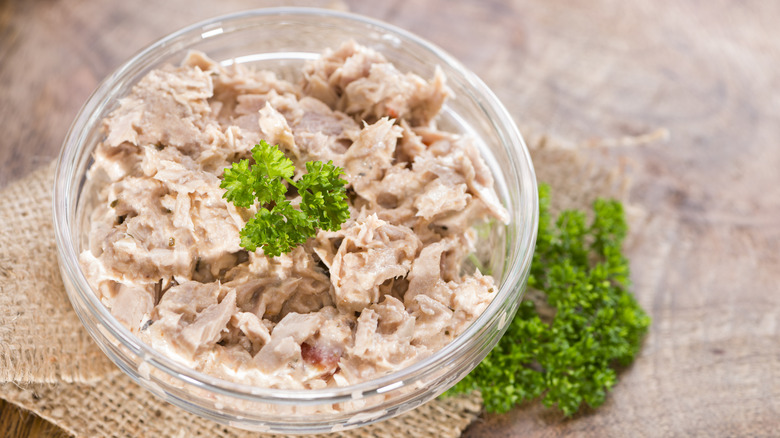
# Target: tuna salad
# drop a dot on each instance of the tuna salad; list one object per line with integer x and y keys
{"x": 381, "y": 293}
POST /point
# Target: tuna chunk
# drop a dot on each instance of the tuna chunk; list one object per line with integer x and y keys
{"x": 326, "y": 78}
{"x": 253, "y": 328}
{"x": 323, "y": 352}
{"x": 382, "y": 341}
{"x": 426, "y": 270}
{"x": 276, "y": 130}
{"x": 132, "y": 304}
{"x": 361, "y": 83}
{"x": 191, "y": 316}
{"x": 372, "y": 153}
{"x": 286, "y": 340}
{"x": 386, "y": 92}
{"x": 455, "y": 162}
{"x": 323, "y": 134}
{"x": 186, "y": 300}
{"x": 442, "y": 308}
{"x": 206, "y": 328}
{"x": 166, "y": 107}
{"x": 480, "y": 182}
{"x": 439, "y": 198}
{"x": 371, "y": 253}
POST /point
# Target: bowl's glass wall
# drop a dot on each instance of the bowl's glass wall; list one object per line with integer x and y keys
{"x": 282, "y": 40}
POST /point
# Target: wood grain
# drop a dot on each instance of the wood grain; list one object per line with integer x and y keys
{"x": 706, "y": 205}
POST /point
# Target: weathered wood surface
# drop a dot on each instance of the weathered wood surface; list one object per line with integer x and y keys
{"x": 707, "y": 233}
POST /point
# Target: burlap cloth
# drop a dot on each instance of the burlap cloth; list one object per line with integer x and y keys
{"x": 50, "y": 365}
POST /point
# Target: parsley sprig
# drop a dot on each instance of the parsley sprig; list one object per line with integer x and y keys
{"x": 597, "y": 325}
{"x": 278, "y": 226}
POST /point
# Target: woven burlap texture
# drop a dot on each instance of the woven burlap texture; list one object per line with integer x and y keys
{"x": 50, "y": 365}
{"x": 41, "y": 339}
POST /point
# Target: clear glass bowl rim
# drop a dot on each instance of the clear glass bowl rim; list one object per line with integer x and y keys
{"x": 517, "y": 266}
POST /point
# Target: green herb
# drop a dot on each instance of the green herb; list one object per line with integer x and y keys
{"x": 278, "y": 227}
{"x": 570, "y": 358}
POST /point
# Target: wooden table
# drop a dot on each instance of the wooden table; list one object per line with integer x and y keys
{"x": 705, "y": 252}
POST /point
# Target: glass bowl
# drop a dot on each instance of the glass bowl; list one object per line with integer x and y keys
{"x": 281, "y": 40}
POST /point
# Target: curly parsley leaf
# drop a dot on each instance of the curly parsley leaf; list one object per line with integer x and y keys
{"x": 271, "y": 162}
{"x": 278, "y": 227}
{"x": 278, "y": 230}
{"x": 323, "y": 195}
{"x": 569, "y": 359}
{"x": 239, "y": 182}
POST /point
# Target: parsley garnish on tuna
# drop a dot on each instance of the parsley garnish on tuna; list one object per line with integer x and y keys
{"x": 278, "y": 226}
